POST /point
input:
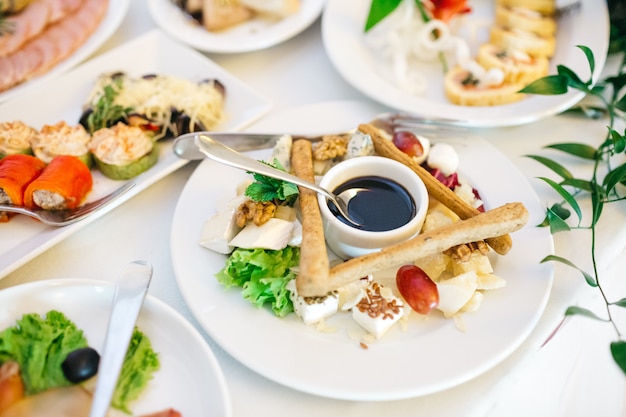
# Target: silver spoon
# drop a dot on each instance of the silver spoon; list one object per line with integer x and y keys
{"x": 188, "y": 145}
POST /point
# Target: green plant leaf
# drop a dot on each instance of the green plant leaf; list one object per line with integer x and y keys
{"x": 571, "y": 78}
{"x": 621, "y": 103}
{"x": 620, "y": 303}
{"x": 618, "y": 140}
{"x": 556, "y": 222}
{"x": 580, "y": 311}
{"x": 590, "y": 59}
{"x": 379, "y": 9}
{"x": 590, "y": 280}
{"x": 549, "y": 85}
{"x": 569, "y": 198}
{"x": 553, "y": 165}
{"x": 584, "y": 185}
{"x": 614, "y": 177}
{"x": 618, "y": 351}
{"x": 580, "y": 150}
{"x": 597, "y": 202}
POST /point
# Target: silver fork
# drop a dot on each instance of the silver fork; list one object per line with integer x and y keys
{"x": 67, "y": 216}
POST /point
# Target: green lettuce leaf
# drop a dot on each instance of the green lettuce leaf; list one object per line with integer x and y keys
{"x": 263, "y": 275}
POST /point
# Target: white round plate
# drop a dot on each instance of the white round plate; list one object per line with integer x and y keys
{"x": 342, "y": 31}
{"x": 115, "y": 15}
{"x": 249, "y": 36}
{"x": 429, "y": 355}
{"x": 190, "y": 379}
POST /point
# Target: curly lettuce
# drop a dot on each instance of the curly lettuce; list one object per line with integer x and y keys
{"x": 263, "y": 276}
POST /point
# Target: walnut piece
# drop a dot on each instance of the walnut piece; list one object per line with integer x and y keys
{"x": 462, "y": 253}
{"x": 259, "y": 212}
{"x": 331, "y": 146}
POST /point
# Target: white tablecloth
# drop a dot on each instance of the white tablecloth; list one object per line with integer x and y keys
{"x": 573, "y": 375}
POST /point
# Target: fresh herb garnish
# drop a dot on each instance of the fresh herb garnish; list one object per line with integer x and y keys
{"x": 270, "y": 189}
{"x": 607, "y": 173}
{"x": 105, "y": 111}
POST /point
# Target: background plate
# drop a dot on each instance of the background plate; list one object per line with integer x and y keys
{"x": 342, "y": 31}
{"x": 62, "y": 98}
{"x": 115, "y": 14}
{"x": 250, "y": 36}
{"x": 431, "y": 355}
{"x": 190, "y": 378}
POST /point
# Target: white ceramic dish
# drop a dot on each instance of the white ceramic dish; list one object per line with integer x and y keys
{"x": 190, "y": 379}
{"x": 61, "y": 98}
{"x": 249, "y": 36}
{"x": 115, "y": 14}
{"x": 429, "y": 356}
{"x": 342, "y": 30}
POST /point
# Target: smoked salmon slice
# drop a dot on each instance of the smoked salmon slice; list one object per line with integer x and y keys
{"x": 16, "y": 172}
{"x": 63, "y": 184}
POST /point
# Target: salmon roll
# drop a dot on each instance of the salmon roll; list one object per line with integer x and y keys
{"x": 16, "y": 172}
{"x": 63, "y": 184}
{"x": 62, "y": 139}
{"x": 15, "y": 137}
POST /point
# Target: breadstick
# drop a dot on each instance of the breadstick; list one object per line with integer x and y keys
{"x": 384, "y": 147}
{"x": 495, "y": 222}
{"x": 314, "y": 264}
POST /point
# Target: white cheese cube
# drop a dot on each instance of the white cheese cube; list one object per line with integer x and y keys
{"x": 313, "y": 309}
{"x": 218, "y": 230}
{"x": 273, "y": 234}
{"x": 455, "y": 292}
{"x": 385, "y": 308}
{"x": 296, "y": 234}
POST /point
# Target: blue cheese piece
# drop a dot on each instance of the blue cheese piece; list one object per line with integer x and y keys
{"x": 360, "y": 144}
{"x": 312, "y": 309}
{"x": 273, "y": 234}
{"x": 377, "y": 310}
{"x": 282, "y": 152}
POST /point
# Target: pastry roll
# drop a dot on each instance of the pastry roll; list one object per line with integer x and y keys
{"x": 461, "y": 88}
{"x": 525, "y": 19}
{"x": 546, "y": 7}
{"x": 522, "y": 40}
{"x": 518, "y": 67}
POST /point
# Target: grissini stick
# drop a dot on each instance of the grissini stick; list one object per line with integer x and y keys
{"x": 384, "y": 147}
{"x": 496, "y": 222}
{"x": 314, "y": 264}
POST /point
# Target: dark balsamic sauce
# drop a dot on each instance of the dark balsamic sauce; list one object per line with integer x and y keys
{"x": 380, "y": 204}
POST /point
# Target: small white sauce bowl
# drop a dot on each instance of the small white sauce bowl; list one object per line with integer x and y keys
{"x": 349, "y": 242}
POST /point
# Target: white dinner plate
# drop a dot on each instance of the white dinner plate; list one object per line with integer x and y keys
{"x": 342, "y": 31}
{"x": 430, "y": 355}
{"x": 115, "y": 15}
{"x": 61, "y": 98}
{"x": 190, "y": 378}
{"x": 249, "y": 36}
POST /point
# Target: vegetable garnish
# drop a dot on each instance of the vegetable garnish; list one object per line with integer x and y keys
{"x": 270, "y": 189}
{"x": 105, "y": 112}
{"x": 263, "y": 274}
{"x": 608, "y": 172}
{"x": 444, "y": 10}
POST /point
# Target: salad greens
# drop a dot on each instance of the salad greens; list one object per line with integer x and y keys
{"x": 105, "y": 111}
{"x": 263, "y": 274}
{"x": 40, "y": 344}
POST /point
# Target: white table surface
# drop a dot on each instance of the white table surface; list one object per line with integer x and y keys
{"x": 573, "y": 375}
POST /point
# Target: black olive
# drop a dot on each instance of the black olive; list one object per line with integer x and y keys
{"x": 149, "y": 76}
{"x": 81, "y": 364}
{"x": 85, "y": 117}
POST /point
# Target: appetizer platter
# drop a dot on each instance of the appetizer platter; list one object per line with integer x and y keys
{"x": 425, "y": 355}
{"x": 253, "y": 33}
{"x": 350, "y": 50}
{"x": 85, "y": 46}
{"x": 152, "y": 54}
{"x": 188, "y": 378}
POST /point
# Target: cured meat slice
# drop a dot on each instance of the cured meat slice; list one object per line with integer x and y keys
{"x": 26, "y": 25}
{"x": 61, "y": 8}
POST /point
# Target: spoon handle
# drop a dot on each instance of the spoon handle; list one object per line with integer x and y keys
{"x": 128, "y": 297}
{"x": 221, "y": 153}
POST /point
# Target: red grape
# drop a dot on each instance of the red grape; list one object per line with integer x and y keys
{"x": 408, "y": 143}
{"x": 417, "y": 289}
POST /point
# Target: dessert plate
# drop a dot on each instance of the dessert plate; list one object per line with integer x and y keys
{"x": 342, "y": 31}
{"x": 429, "y": 355}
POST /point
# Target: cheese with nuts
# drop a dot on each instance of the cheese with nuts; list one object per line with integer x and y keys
{"x": 312, "y": 309}
{"x": 377, "y": 309}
